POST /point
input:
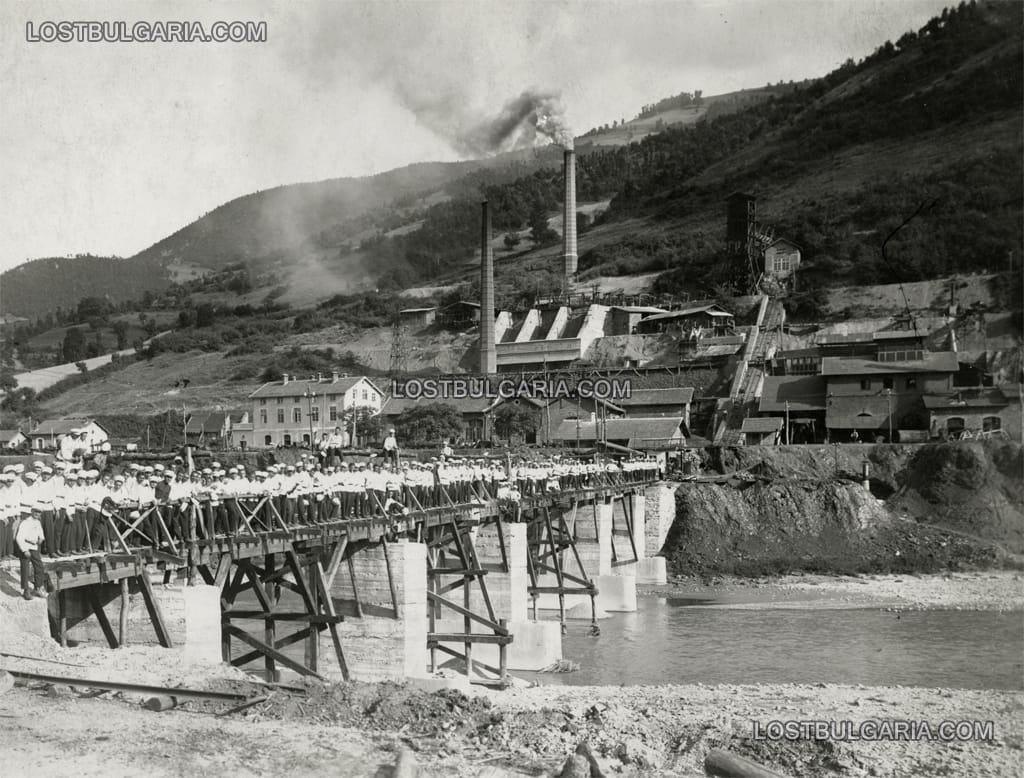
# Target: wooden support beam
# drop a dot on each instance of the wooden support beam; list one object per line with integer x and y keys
{"x": 461, "y": 637}
{"x": 328, "y": 605}
{"x": 122, "y": 625}
{"x": 268, "y": 623}
{"x": 101, "y": 616}
{"x": 391, "y": 578}
{"x": 270, "y": 652}
{"x": 162, "y": 635}
{"x": 284, "y": 642}
{"x": 312, "y": 647}
{"x": 251, "y": 615}
{"x": 465, "y": 612}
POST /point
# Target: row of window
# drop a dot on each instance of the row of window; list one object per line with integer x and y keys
{"x": 314, "y": 415}
{"x": 330, "y": 398}
{"x": 888, "y": 382}
{"x": 988, "y": 424}
{"x": 910, "y": 355}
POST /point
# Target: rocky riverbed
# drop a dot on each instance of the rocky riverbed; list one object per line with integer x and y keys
{"x": 357, "y": 730}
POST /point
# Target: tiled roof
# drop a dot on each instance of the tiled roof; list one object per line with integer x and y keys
{"x": 970, "y": 398}
{"x": 761, "y": 424}
{"x": 61, "y": 426}
{"x": 297, "y": 387}
{"x": 8, "y": 435}
{"x": 676, "y": 396}
{"x": 395, "y": 406}
{"x": 933, "y": 362}
{"x": 802, "y": 392}
{"x": 638, "y": 429}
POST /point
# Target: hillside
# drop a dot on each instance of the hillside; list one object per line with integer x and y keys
{"x": 44, "y": 285}
{"x": 928, "y": 125}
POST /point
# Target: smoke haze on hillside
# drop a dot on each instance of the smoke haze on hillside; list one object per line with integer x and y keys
{"x": 530, "y": 119}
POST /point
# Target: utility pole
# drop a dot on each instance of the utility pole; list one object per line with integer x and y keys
{"x": 888, "y": 395}
{"x": 310, "y": 397}
{"x": 787, "y": 422}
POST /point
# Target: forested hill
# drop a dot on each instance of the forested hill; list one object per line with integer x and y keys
{"x": 929, "y": 124}
{"x": 42, "y": 286}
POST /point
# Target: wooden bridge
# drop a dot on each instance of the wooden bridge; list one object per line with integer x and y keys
{"x": 300, "y": 573}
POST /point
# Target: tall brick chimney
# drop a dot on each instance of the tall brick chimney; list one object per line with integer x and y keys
{"x": 569, "y": 256}
{"x": 488, "y": 351}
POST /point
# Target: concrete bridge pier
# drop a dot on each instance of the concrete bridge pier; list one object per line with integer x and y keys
{"x": 117, "y": 613}
{"x": 381, "y": 589}
{"x": 659, "y": 510}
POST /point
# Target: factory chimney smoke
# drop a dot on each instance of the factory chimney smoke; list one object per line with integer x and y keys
{"x": 488, "y": 351}
{"x": 569, "y": 254}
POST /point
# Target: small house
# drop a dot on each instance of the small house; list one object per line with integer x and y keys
{"x": 11, "y": 439}
{"x": 48, "y": 433}
{"x": 781, "y": 258}
{"x": 761, "y": 431}
{"x": 417, "y": 317}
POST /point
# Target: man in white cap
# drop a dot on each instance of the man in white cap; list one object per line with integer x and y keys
{"x": 9, "y": 507}
{"x": 28, "y": 540}
{"x": 391, "y": 448}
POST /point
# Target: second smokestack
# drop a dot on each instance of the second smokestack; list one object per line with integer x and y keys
{"x": 488, "y": 351}
{"x": 569, "y": 256}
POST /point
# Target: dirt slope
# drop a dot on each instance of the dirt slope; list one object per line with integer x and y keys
{"x": 942, "y": 506}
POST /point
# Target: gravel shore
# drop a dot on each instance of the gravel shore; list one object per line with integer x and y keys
{"x": 999, "y": 590}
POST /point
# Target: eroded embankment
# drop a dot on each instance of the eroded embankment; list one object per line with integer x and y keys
{"x": 929, "y": 508}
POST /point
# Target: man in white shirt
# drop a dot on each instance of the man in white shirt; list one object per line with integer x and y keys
{"x": 28, "y": 540}
{"x": 391, "y": 448}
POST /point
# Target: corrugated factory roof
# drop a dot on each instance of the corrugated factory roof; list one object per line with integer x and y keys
{"x": 932, "y": 362}
{"x": 803, "y": 392}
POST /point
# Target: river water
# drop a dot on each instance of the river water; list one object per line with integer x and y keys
{"x": 670, "y": 641}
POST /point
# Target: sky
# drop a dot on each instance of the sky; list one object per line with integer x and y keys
{"x": 108, "y": 147}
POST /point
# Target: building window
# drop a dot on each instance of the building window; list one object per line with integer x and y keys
{"x": 263, "y": 416}
{"x": 865, "y": 384}
{"x": 954, "y": 425}
{"x": 314, "y": 413}
{"x": 280, "y": 415}
{"x": 887, "y": 382}
{"x": 287, "y": 439}
{"x": 297, "y": 415}
{"x": 911, "y": 355}
{"x": 280, "y": 401}
{"x": 332, "y": 413}
{"x": 911, "y": 383}
{"x": 268, "y": 440}
{"x": 263, "y": 401}
{"x": 991, "y": 424}
{"x": 366, "y": 395}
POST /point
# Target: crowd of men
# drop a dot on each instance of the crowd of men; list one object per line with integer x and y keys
{"x": 61, "y": 510}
